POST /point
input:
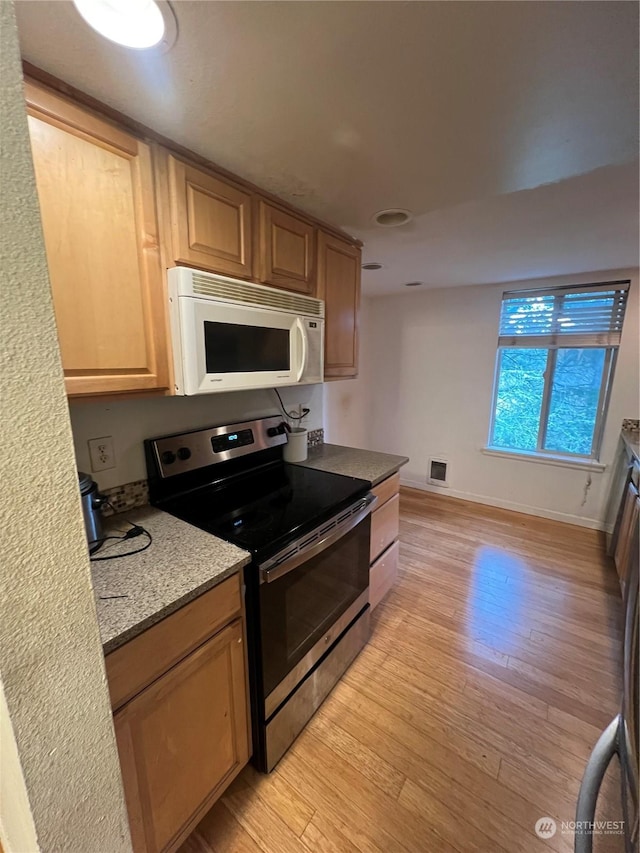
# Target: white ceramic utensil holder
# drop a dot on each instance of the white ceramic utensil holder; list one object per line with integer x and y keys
{"x": 295, "y": 450}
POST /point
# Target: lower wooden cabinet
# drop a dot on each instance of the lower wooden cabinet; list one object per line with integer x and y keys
{"x": 383, "y": 574}
{"x": 384, "y": 547}
{"x": 627, "y": 533}
{"x": 185, "y": 736}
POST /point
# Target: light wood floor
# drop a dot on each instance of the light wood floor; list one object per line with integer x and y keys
{"x": 492, "y": 668}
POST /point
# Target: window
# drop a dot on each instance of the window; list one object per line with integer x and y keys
{"x": 556, "y": 356}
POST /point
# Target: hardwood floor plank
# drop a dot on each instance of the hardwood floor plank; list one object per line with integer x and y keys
{"x": 450, "y": 781}
{"x": 261, "y": 822}
{"x": 281, "y": 798}
{"x": 416, "y": 833}
{"x": 321, "y": 836}
{"x": 359, "y": 756}
{"x": 222, "y": 833}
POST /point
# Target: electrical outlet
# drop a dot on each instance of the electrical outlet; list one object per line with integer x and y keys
{"x": 102, "y": 453}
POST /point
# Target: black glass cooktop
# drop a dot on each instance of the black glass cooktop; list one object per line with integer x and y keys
{"x": 263, "y": 510}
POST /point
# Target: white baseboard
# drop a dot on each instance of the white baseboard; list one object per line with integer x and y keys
{"x": 591, "y": 523}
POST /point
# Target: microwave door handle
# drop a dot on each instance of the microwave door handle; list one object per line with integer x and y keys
{"x": 303, "y": 337}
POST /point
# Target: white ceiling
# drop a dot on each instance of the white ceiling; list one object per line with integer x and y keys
{"x": 509, "y": 129}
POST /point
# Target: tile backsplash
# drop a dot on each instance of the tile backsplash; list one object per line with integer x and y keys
{"x": 315, "y": 437}
{"x": 126, "y": 497}
{"x": 631, "y": 425}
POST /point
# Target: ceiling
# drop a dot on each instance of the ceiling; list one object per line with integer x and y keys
{"x": 510, "y": 130}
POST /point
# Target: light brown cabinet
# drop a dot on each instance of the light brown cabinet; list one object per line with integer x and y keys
{"x": 117, "y": 210}
{"x": 287, "y": 250}
{"x": 182, "y": 733}
{"x": 211, "y": 220}
{"x": 384, "y": 547}
{"x": 97, "y": 202}
{"x": 626, "y": 543}
{"x": 339, "y": 286}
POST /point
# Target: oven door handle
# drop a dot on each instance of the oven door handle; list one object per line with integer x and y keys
{"x": 272, "y": 569}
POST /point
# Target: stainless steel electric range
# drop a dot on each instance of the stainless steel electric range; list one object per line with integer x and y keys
{"x": 307, "y": 586}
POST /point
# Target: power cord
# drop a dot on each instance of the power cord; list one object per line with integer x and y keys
{"x": 134, "y": 531}
{"x": 289, "y": 415}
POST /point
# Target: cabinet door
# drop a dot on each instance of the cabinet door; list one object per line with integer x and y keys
{"x": 210, "y": 221}
{"x": 339, "y": 286}
{"x": 627, "y": 530}
{"x": 287, "y": 250}
{"x": 182, "y": 739}
{"x": 97, "y": 204}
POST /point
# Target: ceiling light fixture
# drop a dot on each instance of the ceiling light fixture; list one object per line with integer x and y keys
{"x": 372, "y": 265}
{"x": 392, "y": 217}
{"x": 413, "y": 283}
{"x": 137, "y": 24}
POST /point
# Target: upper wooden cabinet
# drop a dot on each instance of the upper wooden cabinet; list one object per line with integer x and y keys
{"x": 118, "y": 210}
{"x": 287, "y": 251}
{"x": 210, "y": 220}
{"x": 339, "y": 286}
{"x": 97, "y": 202}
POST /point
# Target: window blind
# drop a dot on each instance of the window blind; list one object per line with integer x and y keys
{"x": 581, "y": 316}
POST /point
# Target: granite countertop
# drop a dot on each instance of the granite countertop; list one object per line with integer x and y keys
{"x": 364, "y": 464}
{"x": 181, "y": 563}
{"x": 631, "y": 440}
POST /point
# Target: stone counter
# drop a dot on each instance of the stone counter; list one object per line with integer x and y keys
{"x": 132, "y": 593}
{"x": 364, "y": 464}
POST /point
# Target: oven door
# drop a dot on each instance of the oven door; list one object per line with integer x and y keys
{"x": 230, "y": 347}
{"x": 309, "y": 599}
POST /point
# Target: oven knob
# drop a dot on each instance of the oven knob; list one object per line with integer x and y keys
{"x": 273, "y": 431}
{"x": 184, "y": 453}
{"x": 168, "y": 457}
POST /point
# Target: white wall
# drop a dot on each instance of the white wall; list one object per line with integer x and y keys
{"x": 347, "y": 402}
{"x": 59, "y": 759}
{"x": 129, "y": 422}
{"x": 431, "y": 389}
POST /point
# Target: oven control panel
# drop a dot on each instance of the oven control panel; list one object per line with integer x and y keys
{"x": 189, "y": 451}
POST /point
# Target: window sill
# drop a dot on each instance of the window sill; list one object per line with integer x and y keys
{"x": 546, "y": 459}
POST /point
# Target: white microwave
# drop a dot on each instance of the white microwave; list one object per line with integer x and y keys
{"x": 230, "y": 335}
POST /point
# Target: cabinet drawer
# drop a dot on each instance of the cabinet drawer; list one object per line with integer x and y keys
{"x": 387, "y": 489}
{"x": 143, "y": 659}
{"x": 383, "y": 574}
{"x": 385, "y": 524}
